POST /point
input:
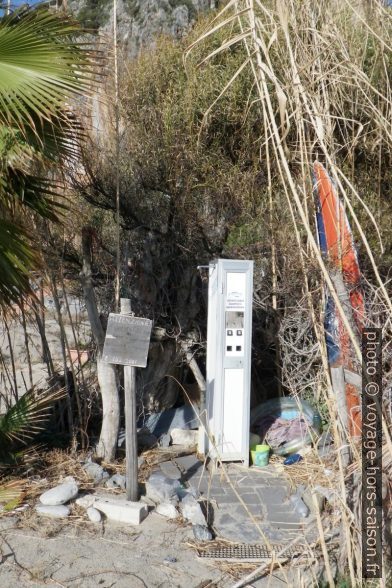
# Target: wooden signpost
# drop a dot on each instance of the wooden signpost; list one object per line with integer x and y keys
{"x": 126, "y": 343}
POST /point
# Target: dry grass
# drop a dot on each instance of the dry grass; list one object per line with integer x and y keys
{"x": 321, "y": 76}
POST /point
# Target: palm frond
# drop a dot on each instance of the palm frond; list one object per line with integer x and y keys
{"x": 42, "y": 66}
{"x": 17, "y": 259}
{"x": 27, "y": 417}
{"x": 11, "y": 494}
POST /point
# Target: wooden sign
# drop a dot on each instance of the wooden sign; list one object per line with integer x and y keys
{"x": 127, "y": 340}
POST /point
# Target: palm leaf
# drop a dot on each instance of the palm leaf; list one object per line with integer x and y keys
{"x": 11, "y": 494}
{"x": 39, "y": 194}
{"x": 26, "y": 418}
{"x": 41, "y": 66}
{"x": 43, "y": 70}
{"x": 17, "y": 259}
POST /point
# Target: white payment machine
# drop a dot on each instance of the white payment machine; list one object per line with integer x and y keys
{"x": 229, "y": 341}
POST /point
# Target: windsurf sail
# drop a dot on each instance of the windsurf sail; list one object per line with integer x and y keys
{"x": 338, "y": 248}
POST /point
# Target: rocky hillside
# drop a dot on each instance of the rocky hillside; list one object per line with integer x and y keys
{"x": 140, "y": 21}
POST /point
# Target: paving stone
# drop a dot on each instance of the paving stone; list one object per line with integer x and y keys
{"x": 244, "y": 532}
{"x": 273, "y": 495}
{"x": 255, "y": 509}
{"x": 189, "y": 464}
{"x": 223, "y": 519}
{"x": 228, "y": 498}
{"x": 251, "y": 498}
{"x": 170, "y": 470}
{"x": 202, "y": 485}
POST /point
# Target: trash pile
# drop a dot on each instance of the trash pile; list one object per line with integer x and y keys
{"x": 286, "y": 424}
{"x": 277, "y": 430}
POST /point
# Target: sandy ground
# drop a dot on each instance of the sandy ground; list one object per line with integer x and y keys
{"x": 45, "y": 552}
{"x": 39, "y": 552}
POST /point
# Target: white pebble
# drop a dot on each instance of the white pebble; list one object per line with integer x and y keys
{"x": 167, "y": 509}
{"x": 94, "y": 515}
{"x": 59, "y": 494}
{"x": 86, "y": 501}
{"x": 55, "y": 512}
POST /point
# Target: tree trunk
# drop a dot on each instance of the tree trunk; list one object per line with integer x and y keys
{"x": 108, "y": 384}
{"x": 107, "y": 373}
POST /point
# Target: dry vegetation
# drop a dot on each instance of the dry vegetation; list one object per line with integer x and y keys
{"x": 218, "y": 134}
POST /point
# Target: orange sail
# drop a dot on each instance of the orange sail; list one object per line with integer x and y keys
{"x": 337, "y": 245}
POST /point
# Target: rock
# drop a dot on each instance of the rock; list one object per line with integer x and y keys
{"x": 147, "y": 501}
{"x": 191, "y": 511}
{"x": 332, "y": 496}
{"x": 145, "y": 438}
{"x": 183, "y": 417}
{"x": 140, "y": 461}
{"x": 298, "y": 504}
{"x": 254, "y": 439}
{"x": 182, "y": 492}
{"x": 55, "y": 512}
{"x": 94, "y": 515}
{"x": 170, "y": 470}
{"x": 308, "y": 500}
{"x": 201, "y": 533}
{"x": 86, "y": 501}
{"x": 188, "y": 438}
{"x": 170, "y": 559}
{"x": 159, "y": 488}
{"x": 95, "y": 472}
{"x": 60, "y": 494}
{"x": 164, "y": 440}
{"x": 116, "y": 481}
{"x": 117, "y": 508}
{"x": 167, "y": 509}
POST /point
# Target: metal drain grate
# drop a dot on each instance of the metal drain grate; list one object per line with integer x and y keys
{"x": 248, "y": 553}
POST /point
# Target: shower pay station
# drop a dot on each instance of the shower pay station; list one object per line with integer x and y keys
{"x": 229, "y": 340}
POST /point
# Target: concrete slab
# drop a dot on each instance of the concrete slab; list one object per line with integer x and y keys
{"x": 117, "y": 508}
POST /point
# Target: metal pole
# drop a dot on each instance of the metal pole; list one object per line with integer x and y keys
{"x": 130, "y": 421}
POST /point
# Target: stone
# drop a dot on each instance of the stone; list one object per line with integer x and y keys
{"x": 140, "y": 461}
{"x": 201, "y": 533}
{"x": 164, "y": 440}
{"x": 191, "y": 510}
{"x": 86, "y": 501}
{"x": 55, "y": 512}
{"x": 182, "y": 417}
{"x": 118, "y": 509}
{"x": 147, "y": 501}
{"x": 95, "y": 472}
{"x": 331, "y": 495}
{"x": 254, "y": 439}
{"x": 308, "y": 500}
{"x": 170, "y": 470}
{"x": 187, "y": 438}
{"x": 60, "y": 494}
{"x": 94, "y": 515}
{"x": 116, "y": 481}
{"x": 159, "y": 488}
{"x": 167, "y": 509}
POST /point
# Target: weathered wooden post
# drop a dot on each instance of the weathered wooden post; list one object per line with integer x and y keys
{"x": 126, "y": 343}
{"x": 130, "y": 419}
